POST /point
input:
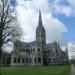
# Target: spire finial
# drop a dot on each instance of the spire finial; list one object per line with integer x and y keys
{"x": 40, "y": 18}
{"x": 39, "y": 11}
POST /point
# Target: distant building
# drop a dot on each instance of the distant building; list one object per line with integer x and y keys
{"x": 38, "y": 52}
{"x": 72, "y": 60}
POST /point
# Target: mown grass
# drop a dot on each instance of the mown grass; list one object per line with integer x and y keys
{"x": 40, "y": 70}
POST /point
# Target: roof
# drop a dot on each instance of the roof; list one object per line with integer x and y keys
{"x": 26, "y": 43}
{"x": 48, "y": 46}
{"x": 33, "y": 43}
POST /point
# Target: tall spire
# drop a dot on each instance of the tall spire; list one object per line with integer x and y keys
{"x": 40, "y": 18}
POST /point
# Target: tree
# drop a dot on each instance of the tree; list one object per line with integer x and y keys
{"x": 9, "y": 28}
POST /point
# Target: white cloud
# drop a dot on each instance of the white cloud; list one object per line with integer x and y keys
{"x": 71, "y": 49}
{"x": 40, "y": 2}
{"x": 54, "y": 28}
{"x": 67, "y": 10}
{"x": 71, "y": 46}
{"x": 27, "y": 13}
{"x": 72, "y": 1}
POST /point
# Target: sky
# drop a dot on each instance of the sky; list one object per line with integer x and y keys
{"x": 58, "y": 18}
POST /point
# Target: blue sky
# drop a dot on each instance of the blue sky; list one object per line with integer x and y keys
{"x": 70, "y": 24}
{"x": 68, "y": 21}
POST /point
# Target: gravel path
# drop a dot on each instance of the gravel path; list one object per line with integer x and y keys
{"x": 72, "y": 69}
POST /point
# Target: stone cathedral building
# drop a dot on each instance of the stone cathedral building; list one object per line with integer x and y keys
{"x": 38, "y": 52}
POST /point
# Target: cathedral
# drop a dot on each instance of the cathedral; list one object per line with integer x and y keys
{"x": 38, "y": 52}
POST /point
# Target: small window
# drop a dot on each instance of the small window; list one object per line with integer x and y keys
{"x": 28, "y": 50}
{"x": 23, "y": 50}
{"x": 38, "y": 50}
{"x": 26, "y": 60}
{"x": 35, "y": 60}
{"x": 18, "y": 60}
{"x": 14, "y": 60}
{"x": 39, "y": 59}
{"x": 22, "y": 60}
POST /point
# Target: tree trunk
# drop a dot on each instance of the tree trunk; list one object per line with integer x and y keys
{"x": 1, "y": 43}
{"x": 0, "y": 59}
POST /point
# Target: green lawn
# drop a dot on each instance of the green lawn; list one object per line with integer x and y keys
{"x": 40, "y": 70}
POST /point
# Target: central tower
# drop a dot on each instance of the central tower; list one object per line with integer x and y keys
{"x": 40, "y": 40}
{"x": 40, "y": 32}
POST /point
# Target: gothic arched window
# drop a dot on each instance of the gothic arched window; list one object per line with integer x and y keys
{"x": 22, "y": 60}
{"x": 15, "y": 60}
{"x": 39, "y": 59}
{"x": 35, "y": 60}
{"x": 18, "y": 60}
{"x": 38, "y": 49}
{"x": 26, "y": 60}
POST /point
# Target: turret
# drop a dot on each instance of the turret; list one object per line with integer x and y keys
{"x": 67, "y": 58}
